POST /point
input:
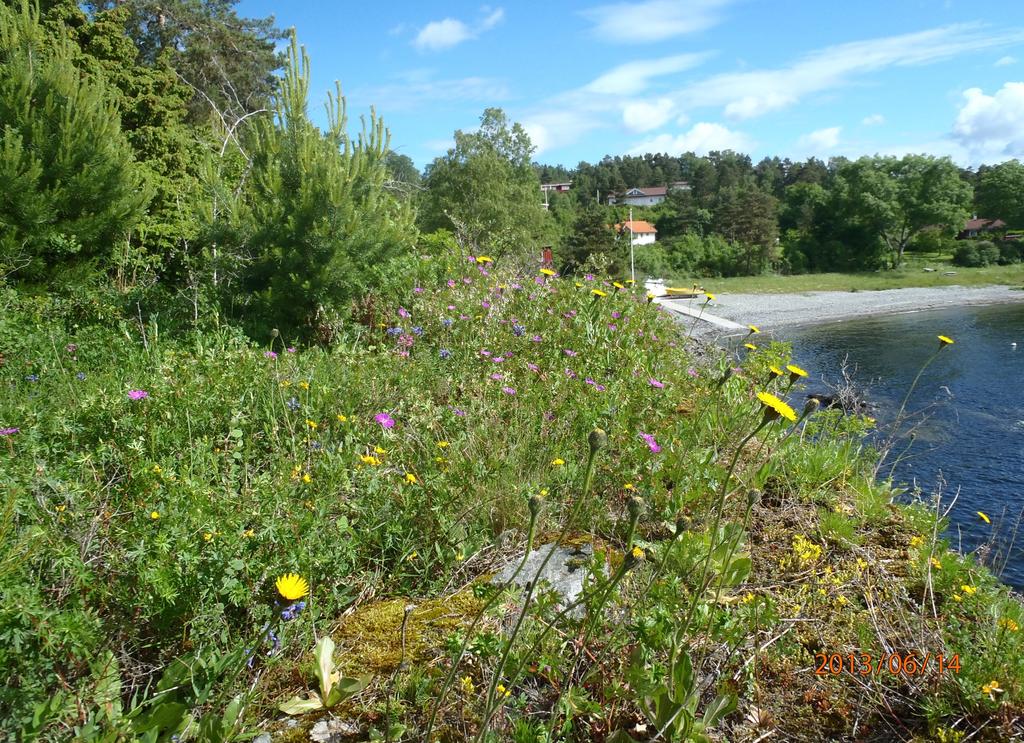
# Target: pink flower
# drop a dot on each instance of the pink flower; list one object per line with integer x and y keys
{"x": 402, "y": 312}
{"x": 385, "y": 420}
{"x": 536, "y": 339}
{"x": 497, "y": 376}
{"x": 486, "y": 305}
{"x": 569, "y": 352}
{"x": 498, "y": 359}
{"x": 270, "y": 354}
{"x": 532, "y": 367}
{"x": 692, "y": 372}
{"x": 612, "y": 326}
{"x": 649, "y": 438}
{"x": 599, "y": 387}
{"x": 137, "y": 395}
{"x": 451, "y": 283}
{"x": 655, "y": 383}
{"x": 290, "y": 349}
{"x": 508, "y": 390}
{"x": 616, "y": 315}
{"x": 467, "y": 280}
{"x": 418, "y": 289}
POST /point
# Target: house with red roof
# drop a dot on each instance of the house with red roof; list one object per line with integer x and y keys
{"x": 977, "y": 227}
{"x": 648, "y": 195}
{"x": 643, "y": 232}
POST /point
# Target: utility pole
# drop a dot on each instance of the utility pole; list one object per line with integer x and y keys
{"x": 632, "y": 265}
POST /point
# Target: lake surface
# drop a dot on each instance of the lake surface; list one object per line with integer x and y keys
{"x": 973, "y": 393}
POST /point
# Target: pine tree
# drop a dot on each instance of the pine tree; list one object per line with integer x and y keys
{"x": 70, "y": 186}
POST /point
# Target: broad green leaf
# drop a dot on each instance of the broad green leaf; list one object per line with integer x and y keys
{"x": 299, "y": 706}
{"x": 324, "y": 655}
{"x": 722, "y": 705}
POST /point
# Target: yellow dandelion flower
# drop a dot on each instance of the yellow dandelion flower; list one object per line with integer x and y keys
{"x": 1009, "y": 624}
{"x": 547, "y": 272}
{"x": 935, "y": 563}
{"x": 945, "y": 340}
{"x": 378, "y": 450}
{"x": 579, "y": 285}
{"x": 207, "y": 536}
{"x": 306, "y": 478}
{"x": 502, "y": 691}
{"x": 484, "y": 259}
{"x": 466, "y": 683}
{"x": 460, "y": 556}
{"x": 312, "y": 424}
{"x": 248, "y": 533}
{"x": 638, "y": 554}
{"x": 558, "y": 462}
{"x": 370, "y": 460}
{"x": 291, "y": 586}
{"x": 412, "y": 556}
{"x": 750, "y": 346}
{"x": 342, "y": 418}
{"x": 598, "y": 293}
{"x": 617, "y": 285}
{"x": 984, "y": 517}
{"x": 442, "y": 444}
{"x": 154, "y": 515}
{"x": 991, "y": 688}
{"x": 774, "y": 371}
{"x": 748, "y": 598}
{"x": 304, "y": 385}
{"x": 710, "y": 297}
{"x": 775, "y": 408}
{"x": 543, "y": 493}
{"x": 754, "y": 329}
{"x": 157, "y": 469}
{"x": 916, "y": 541}
{"x": 957, "y": 597}
{"x": 969, "y": 590}
{"x": 650, "y": 297}
{"x": 286, "y": 383}
{"x": 411, "y": 478}
{"x": 629, "y": 486}
{"x": 795, "y": 372}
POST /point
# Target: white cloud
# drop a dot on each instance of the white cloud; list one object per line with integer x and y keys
{"x": 642, "y": 116}
{"x": 873, "y": 120}
{"x": 820, "y": 141}
{"x": 420, "y": 89}
{"x": 558, "y": 126}
{"x": 992, "y": 126}
{"x": 752, "y": 93}
{"x": 1005, "y": 61}
{"x": 444, "y": 34}
{"x": 653, "y": 20}
{"x": 634, "y": 77}
{"x": 702, "y": 138}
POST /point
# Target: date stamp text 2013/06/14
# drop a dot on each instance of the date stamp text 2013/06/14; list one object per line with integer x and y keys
{"x": 866, "y": 664}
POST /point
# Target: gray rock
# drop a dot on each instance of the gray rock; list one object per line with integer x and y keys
{"x": 564, "y": 572}
{"x": 262, "y": 738}
{"x": 333, "y": 730}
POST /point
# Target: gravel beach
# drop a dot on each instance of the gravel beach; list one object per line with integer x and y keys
{"x": 771, "y": 311}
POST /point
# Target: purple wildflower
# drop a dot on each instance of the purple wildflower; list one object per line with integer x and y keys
{"x": 290, "y": 349}
{"x": 444, "y": 353}
{"x": 486, "y": 305}
{"x": 599, "y": 387}
{"x": 612, "y": 326}
{"x": 459, "y": 412}
{"x": 570, "y": 373}
{"x": 518, "y": 330}
{"x": 588, "y": 380}
{"x": 451, "y": 283}
{"x": 467, "y": 280}
{"x": 451, "y": 306}
{"x": 508, "y": 390}
{"x": 532, "y": 367}
{"x": 692, "y": 372}
{"x": 655, "y": 383}
{"x": 417, "y": 330}
{"x": 385, "y": 420}
{"x": 569, "y": 352}
{"x": 649, "y": 438}
{"x": 418, "y": 289}
{"x": 616, "y": 315}
{"x": 536, "y": 339}
{"x": 497, "y": 376}
{"x": 137, "y": 394}
{"x": 538, "y": 280}
{"x": 394, "y": 331}
{"x": 447, "y": 322}
{"x": 9, "y": 431}
{"x": 270, "y": 354}
{"x": 404, "y": 313}
{"x": 498, "y": 359}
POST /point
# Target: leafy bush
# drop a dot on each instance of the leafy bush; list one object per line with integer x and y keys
{"x": 1010, "y": 251}
{"x": 967, "y": 255}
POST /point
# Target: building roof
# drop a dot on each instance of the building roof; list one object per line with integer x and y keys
{"x": 647, "y": 191}
{"x": 984, "y": 224}
{"x": 637, "y": 227}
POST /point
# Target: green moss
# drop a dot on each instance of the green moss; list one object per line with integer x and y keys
{"x": 370, "y": 639}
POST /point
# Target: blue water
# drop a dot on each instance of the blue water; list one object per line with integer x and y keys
{"x": 973, "y": 394}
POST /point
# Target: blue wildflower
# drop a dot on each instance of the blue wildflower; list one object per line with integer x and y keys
{"x": 447, "y": 322}
{"x": 518, "y": 329}
{"x": 80, "y": 376}
{"x": 32, "y": 378}
{"x": 394, "y": 331}
{"x": 444, "y": 353}
{"x": 293, "y": 610}
{"x": 293, "y": 404}
{"x": 417, "y": 330}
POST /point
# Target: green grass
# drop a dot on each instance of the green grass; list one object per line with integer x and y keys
{"x": 911, "y": 275}
{"x": 140, "y": 531}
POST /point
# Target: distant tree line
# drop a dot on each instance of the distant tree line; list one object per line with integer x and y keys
{"x": 158, "y": 157}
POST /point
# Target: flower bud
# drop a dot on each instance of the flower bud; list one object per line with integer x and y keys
{"x": 635, "y": 507}
{"x": 753, "y": 496}
{"x": 811, "y": 405}
{"x": 275, "y": 333}
{"x": 597, "y": 439}
{"x": 682, "y": 524}
{"x": 534, "y": 504}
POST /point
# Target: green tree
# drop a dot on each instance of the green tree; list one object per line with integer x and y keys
{"x": 749, "y": 217}
{"x": 72, "y": 188}
{"x": 1000, "y": 193}
{"x": 592, "y": 243}
{"x": 897, "y": 198}
{"x": 318, "y": 226}
{"x": 486, "y": 191}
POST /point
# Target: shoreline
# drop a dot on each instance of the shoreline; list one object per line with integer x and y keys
{"x": 776, "y": 311}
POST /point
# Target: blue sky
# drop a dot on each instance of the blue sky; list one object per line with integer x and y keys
{"x": 767, "y": 77}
